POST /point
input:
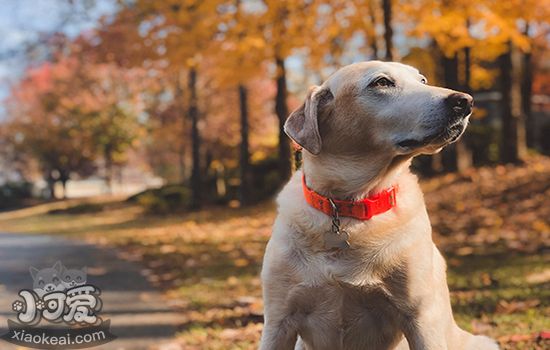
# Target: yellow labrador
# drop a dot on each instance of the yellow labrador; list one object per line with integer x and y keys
{"x": 335, "y": 282}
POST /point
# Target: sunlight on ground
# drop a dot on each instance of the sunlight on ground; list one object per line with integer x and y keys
{"x": 209, "y": 261}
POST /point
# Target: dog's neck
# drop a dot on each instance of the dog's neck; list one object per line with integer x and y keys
{"x": 351, "y": 178}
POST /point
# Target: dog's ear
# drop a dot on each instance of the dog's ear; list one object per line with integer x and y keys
{"x": 34, "y": 271}
{"x": 58, "y": 266}
{"x": 302, "y": 125}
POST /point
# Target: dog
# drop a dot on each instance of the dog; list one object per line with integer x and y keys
{"x": 351, "y": 263}
{"x": 47, "y": 280}
{"x": 74, "y": 277}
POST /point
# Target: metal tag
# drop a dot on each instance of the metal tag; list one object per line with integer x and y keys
{"x": 336, "y": 238}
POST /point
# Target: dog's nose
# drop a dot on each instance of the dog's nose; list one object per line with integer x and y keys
{"x": 460, "y": 103}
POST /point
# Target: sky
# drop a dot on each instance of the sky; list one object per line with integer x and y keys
{"x": 22, "y": 22}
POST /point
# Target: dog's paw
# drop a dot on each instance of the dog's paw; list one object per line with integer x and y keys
{"x": 481, "y": 342}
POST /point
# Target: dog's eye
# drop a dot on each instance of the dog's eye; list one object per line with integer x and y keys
{"x": 424, "y": 81}
{"x": 382, "y": 82}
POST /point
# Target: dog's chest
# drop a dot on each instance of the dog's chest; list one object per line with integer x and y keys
{"x": 337, "y": 316}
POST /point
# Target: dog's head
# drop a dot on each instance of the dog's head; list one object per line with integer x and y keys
{"x": 378, "y": 107}
{"x": 47, "y": 280}
{"x": 74, "y": 277}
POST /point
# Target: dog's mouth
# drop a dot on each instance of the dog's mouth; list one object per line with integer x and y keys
{"x": 448, "y": 135}
{"x": 411, "y": 143}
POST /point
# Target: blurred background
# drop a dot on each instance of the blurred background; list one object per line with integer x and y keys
{"x": 155, "y": 127}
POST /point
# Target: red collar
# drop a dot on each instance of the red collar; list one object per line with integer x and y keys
{"x": 363, "y": 209}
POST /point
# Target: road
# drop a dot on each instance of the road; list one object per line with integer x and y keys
{"x": 140, "y": 317}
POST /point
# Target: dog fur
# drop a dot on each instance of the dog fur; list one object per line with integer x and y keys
{"x": 389, "y": 289}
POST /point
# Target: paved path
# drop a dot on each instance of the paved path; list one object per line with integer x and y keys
{"x": 139, "y": 316}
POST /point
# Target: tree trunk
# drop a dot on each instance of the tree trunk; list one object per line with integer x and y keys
{"x": 457, "y": 156}
{"x": 245, "y": 153}
{"x": 371, "y": 32}
{"x": 467, "y": 69}
{"x": 464, "y": 156}
{"x": 517, "y": 61}
{"x": 107, "y": 154}
{"x": 511, "y": 138}
{"x": 281, "y": 109}
{"x": 450, "y": 71}
{"x": 388, "y": 29}
{"x": 181, "y": 163}
{"x": 51, "y": 190}
{"x": 64, "y": 186}
{"x": 526, "y": 93}
{"x": 193, "y": 114}
{"x": 181, "y": 150}
{"x": 210, "y": 179}
{"x": 50, "y": 181}
{"x": 449, "y": 155}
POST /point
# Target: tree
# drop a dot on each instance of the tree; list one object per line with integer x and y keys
{"x": 457, "y": 157}
{"x": 512, "y": 147}
{"x": 447, "y": 24}
{"x": 69, "y": 114}
{"x": 244, "y": 156}
{"x": 388, "y": 29}
{"x": 365, "y": 21}
{"x": 514, "y": 63}
{"x": 120, "y": 41}
{"x": 193, "y": 114}
{"x": 526, "y": 93}
{"x": 112, "y": 100}
{"x": 48, "y": 130}
{"x": 180, "y": 33}
{"x": 284, "y": 25}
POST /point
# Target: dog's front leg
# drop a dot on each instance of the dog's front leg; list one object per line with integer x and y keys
{"x": 423, "y": 333}
{"x": 279, "y": 334}
{"x": 428, "y": 322}
{"x": 280, "y": 326}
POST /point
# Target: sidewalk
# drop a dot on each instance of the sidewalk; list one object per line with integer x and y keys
{"x": 140, "y": 317}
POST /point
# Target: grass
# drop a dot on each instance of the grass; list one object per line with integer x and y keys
{"x": 210, "y": 260}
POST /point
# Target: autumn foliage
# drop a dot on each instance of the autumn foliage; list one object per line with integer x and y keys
{"x": 198, "y": 91}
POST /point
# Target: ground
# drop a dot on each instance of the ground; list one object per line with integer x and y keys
{"x": 139, "y": 315}
{"x": 492, "y": 225}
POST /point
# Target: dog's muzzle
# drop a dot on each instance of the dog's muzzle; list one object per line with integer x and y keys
{"x": 457, "y": 108}
{"x": 460, "y": 105}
